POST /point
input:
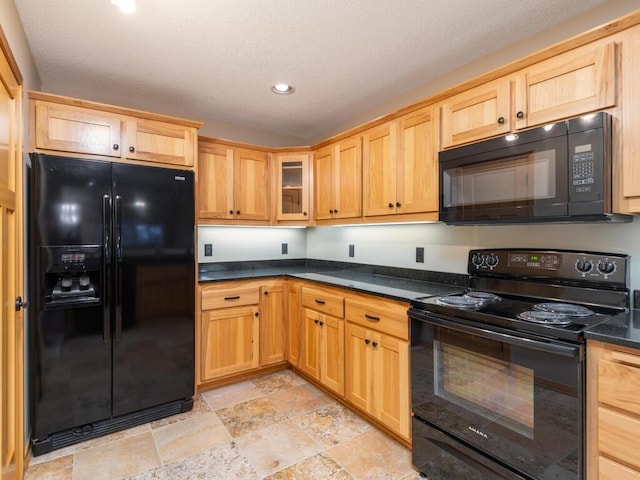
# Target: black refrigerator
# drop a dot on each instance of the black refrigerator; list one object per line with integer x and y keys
{"x": 111, "y": 337}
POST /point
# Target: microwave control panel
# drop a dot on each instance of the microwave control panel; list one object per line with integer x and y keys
{"x": 589, "y": 157}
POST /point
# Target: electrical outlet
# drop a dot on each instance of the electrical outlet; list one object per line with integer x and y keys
{"x": 419, "y": 254}
{"x": 285, "y": 248}
{"x": 208, "y": 249}
{"x": 352, "y": 250}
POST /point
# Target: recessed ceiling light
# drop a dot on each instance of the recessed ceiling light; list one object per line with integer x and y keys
{"x": 126, "y": 6}
{"x": 282, "y": 89}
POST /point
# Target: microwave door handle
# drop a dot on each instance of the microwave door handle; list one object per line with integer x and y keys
{"x": 556, "y": 349}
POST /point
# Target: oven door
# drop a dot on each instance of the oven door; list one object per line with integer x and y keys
{"x": 517, "y": 182}
{"x": 513, "y": 399}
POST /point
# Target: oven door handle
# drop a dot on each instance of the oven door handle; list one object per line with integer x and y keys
{"x": 563, "y": 350}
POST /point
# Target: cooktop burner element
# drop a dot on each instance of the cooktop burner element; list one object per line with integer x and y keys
{"x": 547, "y": 318}
{"x": 460, "y": 302}
{"x": 564, "y": 309}
{"x": 483, "y": 296}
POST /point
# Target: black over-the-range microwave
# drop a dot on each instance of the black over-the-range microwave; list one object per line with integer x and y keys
{"x": 556, "y": 173}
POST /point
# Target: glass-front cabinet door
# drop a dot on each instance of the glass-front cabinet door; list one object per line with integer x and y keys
{"x": 293, "y": 186}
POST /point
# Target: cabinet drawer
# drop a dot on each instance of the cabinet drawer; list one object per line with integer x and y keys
{"x": 323, "y": 301}
{"x": 618, "y": 436}
{"x": 233, "y": 297}
{"x": 610, "y": 470}
{"x": 379, "y": 315}
{"x": 619, "y": 384}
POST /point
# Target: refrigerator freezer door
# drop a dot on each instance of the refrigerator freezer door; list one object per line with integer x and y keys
{"x": 70, "y": 360}
{"x": 153, "y": 348}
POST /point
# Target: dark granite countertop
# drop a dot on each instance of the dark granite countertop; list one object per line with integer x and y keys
{"x": 396, "y": 283}
{"x": 623, "y": 330}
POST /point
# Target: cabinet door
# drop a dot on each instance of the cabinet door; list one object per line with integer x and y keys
{"x": 478, "y": 113}
{"x": 324, "y": 186}
{"x": 391, "y": 383}
{"x": 417, "y": 169}
{"x": 311, "y": 336}
{"x": 332, "y": 353}
{"x": 67, "y": 128}
{"x": 580, "y": 81}
{"x": 251, "y": 185}
{"x": 229, "y": 341}
{"x": 215, "y": 181}
{"x": 272, "y": 343}
{"x": 358, "y": 367}
{"x": 294, "y": 329}
{"x": 379, "y": 170}
{"x": 348, "y": 179}
{"x": 161, "y": 142}
{"x": 292, "y": 186}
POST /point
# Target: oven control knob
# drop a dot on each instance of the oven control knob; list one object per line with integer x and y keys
{"x": 584, "y": 266}
{"x": 606, "y": 267}
{"x": 492, "y": 260}
{"x": 477, "y": 259}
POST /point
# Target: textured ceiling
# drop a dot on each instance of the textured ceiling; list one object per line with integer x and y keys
{"x": 215, "y": 60}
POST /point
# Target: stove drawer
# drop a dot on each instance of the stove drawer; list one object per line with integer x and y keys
{"x": 379, "y": 314}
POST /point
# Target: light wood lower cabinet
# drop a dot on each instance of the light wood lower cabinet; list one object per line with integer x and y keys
{"x": 241, "y": 327}
{"x": 377, "y": 364}
{"x": 293, "y": 328}
{"x": 613, "y": 412}
{"x": 272, "y": 334}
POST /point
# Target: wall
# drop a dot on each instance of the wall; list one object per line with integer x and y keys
{"x": 232, "y": 244}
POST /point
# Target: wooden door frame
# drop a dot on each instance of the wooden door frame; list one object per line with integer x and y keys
{"x": 16, "y": 84}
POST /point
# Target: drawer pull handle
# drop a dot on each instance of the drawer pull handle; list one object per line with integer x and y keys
{"x": 236, "y": 297}
{"x": 371, "y": 317}
{"x": 320, "y": 302}
{"x": 625, "y": 358}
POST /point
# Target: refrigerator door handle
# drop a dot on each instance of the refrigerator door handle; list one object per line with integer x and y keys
{"x": 106, "y": 261}
{"x": 118, "y": 268}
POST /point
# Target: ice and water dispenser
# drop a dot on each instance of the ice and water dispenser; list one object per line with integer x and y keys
{"x": 71, "y": 275}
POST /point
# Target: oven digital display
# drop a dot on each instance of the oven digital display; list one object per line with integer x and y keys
{"x": 535, "y": 260}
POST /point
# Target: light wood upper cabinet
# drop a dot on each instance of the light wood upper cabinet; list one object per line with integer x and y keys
{"x": 66, "y": 128}
{"x": 477, "y": 113}
{"x": 338, "y": 180}
{"x": 579, "y": 81}
{"x": 233, "y": 183}
{"x": 292, "y": 188}
{"x": 272, "y": 329}
{"x": 400, "y": 166}
{"x": 154, "y": 141}
{"x": 65, "y": 125}
{"x": 567, "y": 85}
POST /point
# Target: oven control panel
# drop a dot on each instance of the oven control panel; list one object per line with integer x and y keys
{"x": 557, "y": 264}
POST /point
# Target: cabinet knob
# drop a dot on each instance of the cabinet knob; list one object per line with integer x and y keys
{"x": 501, "y": 120}
{"x": 321, "y": 324}
{"x": 237, "y": 212}
{"x": 520, "y": 114}
{"x": 316, "y": 321}
{"x": 335, "y": 211}
{"x": 304, "y": 213}
{"x": 116, "y": 146}
{"x": 230, "y": 212}
{"x": 266, "y": 293}
{"x": 375, "y": 344}
{"x": 330, "y": 211}
{"x": 390, "y": 205}
{"x": 398, "y": 204}
{"x": 256, "y": 314}
{"x": 367, "y": 341}
{"x": 132, "y": 149}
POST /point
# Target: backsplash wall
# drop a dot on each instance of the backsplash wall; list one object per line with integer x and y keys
{"x": 446, "y": 248}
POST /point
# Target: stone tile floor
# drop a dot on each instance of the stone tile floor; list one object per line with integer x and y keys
{"x": 276, "y": 427}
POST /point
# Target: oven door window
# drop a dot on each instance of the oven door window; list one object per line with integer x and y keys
{"x": 519, "y": 404}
